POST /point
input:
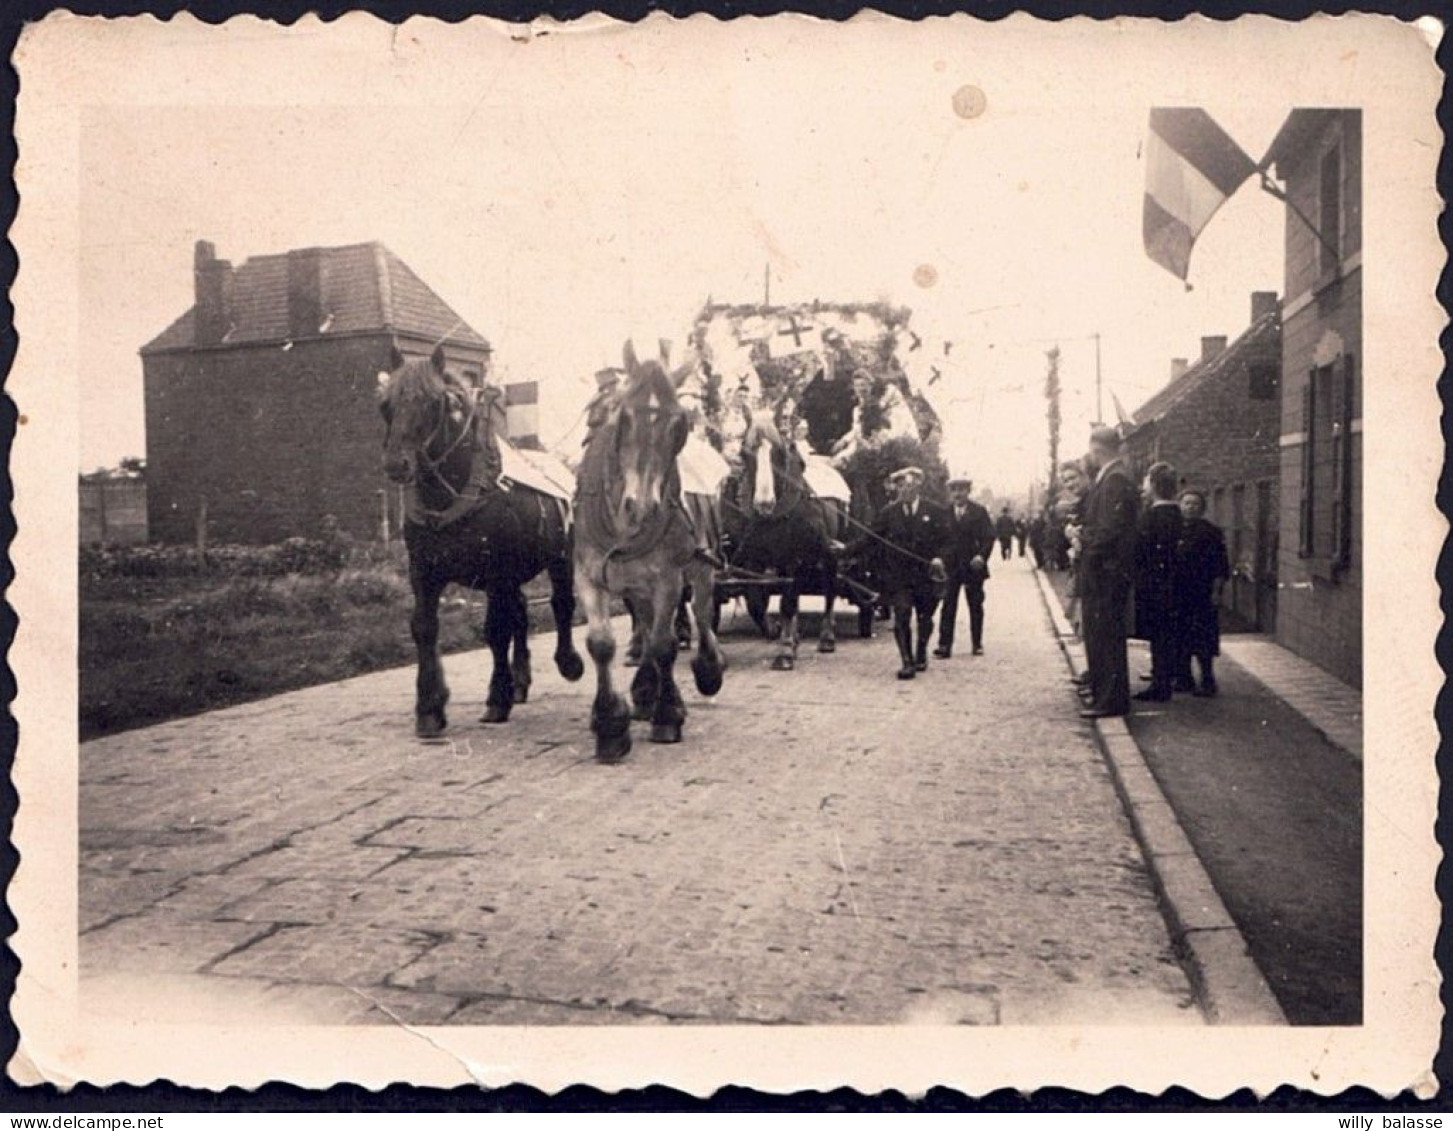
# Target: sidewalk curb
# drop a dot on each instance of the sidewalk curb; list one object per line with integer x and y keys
{"x": 1229, "y": 987}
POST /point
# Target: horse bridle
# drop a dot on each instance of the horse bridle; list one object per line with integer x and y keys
{"x": 433, "y": 464}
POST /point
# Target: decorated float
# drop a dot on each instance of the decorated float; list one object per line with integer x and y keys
{"x": 834, "y": 377}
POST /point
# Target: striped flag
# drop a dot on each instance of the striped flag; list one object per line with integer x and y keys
{"x": 522, "y": 413}
{"x": 1191, "y": 167}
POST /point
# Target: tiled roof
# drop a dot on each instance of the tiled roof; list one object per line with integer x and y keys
{"x": 1247, "y": 345}
{"x": 365, "y": 287}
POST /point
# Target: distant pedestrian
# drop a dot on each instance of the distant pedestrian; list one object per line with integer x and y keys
{"x": 1156, "y": 554}
{"x": 1021, "y": 534}
{"x": 1106, "y": 567}
{"x": 1004, "y": 530}
{"x": 970, "y": 544}
{"x": 1037, "y": 530}
{"x": 1202, "y": 569}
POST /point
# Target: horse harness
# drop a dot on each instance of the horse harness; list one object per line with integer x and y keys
{"x": 485, "y": 476}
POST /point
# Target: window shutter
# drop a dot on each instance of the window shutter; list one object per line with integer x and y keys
{"x": 1346, "y": 394}
{"x": 1305, "y": 546}
{"x": 1339, "y": 459}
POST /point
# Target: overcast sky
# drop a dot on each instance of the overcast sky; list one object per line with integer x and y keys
{"x": 558, "y": 217}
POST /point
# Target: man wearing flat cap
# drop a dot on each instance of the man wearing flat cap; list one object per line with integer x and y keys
{"x": 1107, "y": 565}
{"x": 607, "y": 384}
{"x": 910, "y": 536}
{"x": 969, "y": 544}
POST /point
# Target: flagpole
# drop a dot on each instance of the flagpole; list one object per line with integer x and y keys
{"x": 1269, "y": 187}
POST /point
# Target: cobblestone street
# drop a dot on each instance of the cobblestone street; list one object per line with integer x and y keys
{"x": 827, "y": 845}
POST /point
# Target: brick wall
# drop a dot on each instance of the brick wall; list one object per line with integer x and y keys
{"x": 1320, "y": 607}
{"x": 272, "y": 439}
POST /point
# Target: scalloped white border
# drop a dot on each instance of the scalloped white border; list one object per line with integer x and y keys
{"x": 1386, "y": 67}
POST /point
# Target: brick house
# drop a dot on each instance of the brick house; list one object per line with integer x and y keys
{"x": 1317, "y": 155}
{"x": 1218, "y": 422}
{"x": 260, "y": 409}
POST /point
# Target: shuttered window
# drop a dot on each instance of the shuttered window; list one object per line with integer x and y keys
{"x": 1327, "y": 481}
{"x": 1342, "y": 464}
{"x": 1306, "y": 541}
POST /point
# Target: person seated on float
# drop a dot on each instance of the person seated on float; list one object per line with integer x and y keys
{"x": 825, "y": 402}
{"x": 880, "y": 415}
{"x": 702, "y": 473}
{"x": 736, "y": 420}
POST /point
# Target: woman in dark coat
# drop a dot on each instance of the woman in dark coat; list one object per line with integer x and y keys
{"x": 1202, "y": 568}
{"x": 1156, "y": 545}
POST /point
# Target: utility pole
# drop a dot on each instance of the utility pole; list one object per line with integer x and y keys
{"x": 767, "y": 284}
{"x": 1052, "y": 394}
{"x": 1099, "y": 397}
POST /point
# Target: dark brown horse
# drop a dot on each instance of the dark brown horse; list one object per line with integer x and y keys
{"x": 462, "y": 526}
{"x": 633, "y": 539}
{"x": 780, "y": 528}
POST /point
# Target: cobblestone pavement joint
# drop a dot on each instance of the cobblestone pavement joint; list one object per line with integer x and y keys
{"x": 1230, "y": 987}
{"x": 827, "y": 845}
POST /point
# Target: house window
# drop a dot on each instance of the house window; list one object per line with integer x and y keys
{"x": 1329, "y": 220}
{"x": 1327, "y": 471}
{"x": 1263, "y": 381}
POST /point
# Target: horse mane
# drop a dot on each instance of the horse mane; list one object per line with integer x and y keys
{"x": 597, "y": 478}
{"x": 416, "y": 381}
{"x": 649, "y": 378}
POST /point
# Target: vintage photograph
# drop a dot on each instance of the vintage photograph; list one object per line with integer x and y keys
{"x": 710, "y": 526}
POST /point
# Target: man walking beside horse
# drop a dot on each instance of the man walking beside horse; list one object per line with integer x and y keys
{"x": 911, "y": 537}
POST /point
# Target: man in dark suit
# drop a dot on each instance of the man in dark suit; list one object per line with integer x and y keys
{"x": 910, "y": 535}
{"x": 969, "y": 545}
{"x": 1107, "y": 564}
{"x": 1155, "y": 590}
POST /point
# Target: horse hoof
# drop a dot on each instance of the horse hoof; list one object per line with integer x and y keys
{"x": 429, "y": 726}
{"x": 522, "y": 693}
{"x": 570, "y": 665}
{"x": 640, "y": 712}
{"x": 708, "y": 675}
{"x": 827, "y": 646}
{"x": 783, "y": 663}
{"x": 495, "y": 713}
{"x": 614, "y": 748}
{"x": 666, "y": 733}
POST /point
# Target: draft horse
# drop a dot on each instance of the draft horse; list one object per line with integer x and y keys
{"x": 461, "y": 525}
{"x": 782, "y": 529}
{"x": 633, "y": 539}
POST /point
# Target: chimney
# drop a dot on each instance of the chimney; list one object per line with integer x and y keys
{"x": 1262, "y": 304}
{"x": 305, "y": 293}
{"x": 1212, "y": 346}
{"x": 1178, "y": 367}
{"x": 213, "y": 279}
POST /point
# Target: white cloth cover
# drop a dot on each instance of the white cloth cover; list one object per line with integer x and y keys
{"x": 825, "y": 480}
{"x": 538, "y": 470}
{"x": 702, "y": 468}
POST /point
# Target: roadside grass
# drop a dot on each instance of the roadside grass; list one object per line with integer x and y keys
{"x": 159, "y": 648}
